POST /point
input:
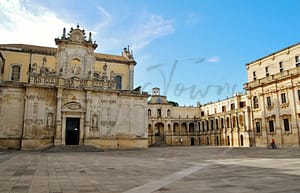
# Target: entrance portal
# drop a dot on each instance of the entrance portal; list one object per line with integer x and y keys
{"x": 192, "y": 141}
{"x": 72, "y": 131}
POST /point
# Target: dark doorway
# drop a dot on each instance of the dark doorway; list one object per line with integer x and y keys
{"x": 192, "y": 141}
{"x": 242, "y": 140}
{"x": 72, "y": 131}
{"x": 228, "y": 140}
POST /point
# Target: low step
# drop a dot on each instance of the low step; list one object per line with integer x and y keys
{"x": 72, "y": 148}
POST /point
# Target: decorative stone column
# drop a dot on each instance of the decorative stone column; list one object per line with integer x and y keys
{"x": 87, "y": 122}
{"x": 58, "y": 122}
{"x": 131, "y": 76}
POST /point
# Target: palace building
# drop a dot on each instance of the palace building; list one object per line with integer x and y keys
{"x": 69, "y": 95}
{"x": 270, "y": 109}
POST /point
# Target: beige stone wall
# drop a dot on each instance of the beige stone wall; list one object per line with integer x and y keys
{"x": 271, "y": 107}
{"x": 201, "y": 125}
{"x": 285, "y": 56}
{"x": 11, "y": 116}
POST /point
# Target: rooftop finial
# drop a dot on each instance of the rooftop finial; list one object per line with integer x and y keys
{"x": 64, "y": 33}
{"x": 90, "y": 37}
{"x": 77, "y": 25}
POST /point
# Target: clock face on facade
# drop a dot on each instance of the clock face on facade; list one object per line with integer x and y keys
{"x": 158, "y": 100}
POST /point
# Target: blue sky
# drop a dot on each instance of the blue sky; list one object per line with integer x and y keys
{"x": 193, "y": 50}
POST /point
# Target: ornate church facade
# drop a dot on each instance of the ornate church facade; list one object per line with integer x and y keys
{"x": 69, "y": 95}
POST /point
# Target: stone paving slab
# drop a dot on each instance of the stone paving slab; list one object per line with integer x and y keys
{"x": 158, "y": 169}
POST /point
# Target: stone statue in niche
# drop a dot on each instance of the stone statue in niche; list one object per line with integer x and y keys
{"x": 112, "y": 75}
{"x": 105, "y": 73}
{"x": 44, "y": 69}
{"x": 76, "y": 69}
{"x": 105, "y": 67}
{"x": 34, "y": 68}
{"x": 49, "y": 120}
{"x": 94, "y": 122}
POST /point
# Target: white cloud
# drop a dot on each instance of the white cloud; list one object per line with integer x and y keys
{"x": 213, "y": 59}
{"x": 105, "y": 20}
{"x": 23, "y": 21}
{"x": 153, "y": 27}
{"x": 28, "y": 23}
{"x": 138, "y": 33}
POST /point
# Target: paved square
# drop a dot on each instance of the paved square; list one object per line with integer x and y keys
{"x": 159, "y": 170}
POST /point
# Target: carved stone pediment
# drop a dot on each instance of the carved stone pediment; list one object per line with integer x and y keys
{"x": 72, "y": 106}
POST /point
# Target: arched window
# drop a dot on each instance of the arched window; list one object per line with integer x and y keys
{"x": 255, "y": 102}
{"x": 233, "y": 121}
{"x": 15, "y": 73}
{"x": 176, "y": 128}
{"x": 191, "y": 128}
{"x": 118, "y": 82}
{"x": 227, "y": 122}
{"x": 168, "y": 113}
{"x": 158, "y": 112}
{"x": 241, "y": 120}
{"x": 222, "y": 123}
{"x": 207, "y": 125}
{"x": 149, "y": 112}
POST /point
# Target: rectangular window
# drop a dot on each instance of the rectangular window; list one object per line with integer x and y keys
{"x": 254, "y": 75}
{"x": 15, "y": 73}
{"x": 297, "y": 61}
{"x": 232, "y": 106}
{"x": 212, "y": 124}
{"x": 286, "y": 124}
{"x": 267, "y": 71}
{"x": 118, "y": 80}
{"x": 255, "y": 102}
{"x": 257, "y": 127}
{"x": 299, "y": 95}
{"x": 280, "y": 67}
{"x": 283, "y": 98}
{"x": 271, "y": 126}
{"x": 242, "y": 104}
{"x": 158, "y": 113}
{"x": 269, "y": 102}
{"x": 223, "y": 108}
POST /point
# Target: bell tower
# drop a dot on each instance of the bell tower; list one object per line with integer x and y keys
{"x": 75, "y": 54}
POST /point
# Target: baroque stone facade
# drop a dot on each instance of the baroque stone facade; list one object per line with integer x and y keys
{"x": 270, "y": 109}
{"x": 69, "y": 95}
